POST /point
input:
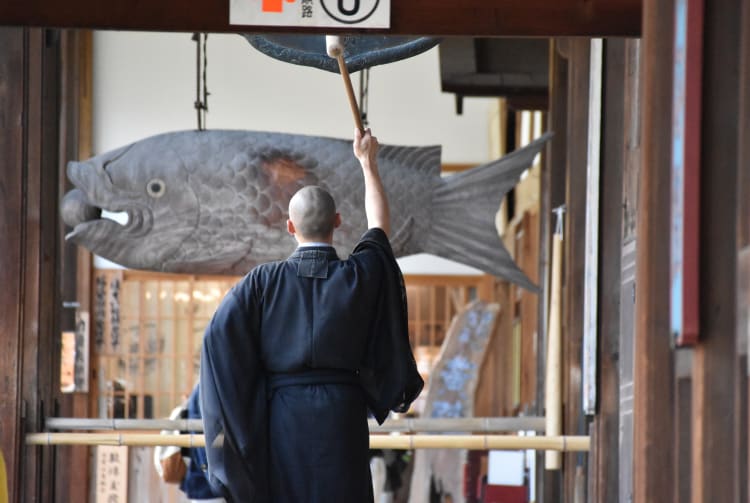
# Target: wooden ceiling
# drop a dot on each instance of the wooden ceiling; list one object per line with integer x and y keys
{"x": 537, "y": 18}
{"x": 514, "y": 68}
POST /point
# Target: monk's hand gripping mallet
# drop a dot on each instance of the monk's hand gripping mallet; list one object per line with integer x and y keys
{"x": 335, "y": 49}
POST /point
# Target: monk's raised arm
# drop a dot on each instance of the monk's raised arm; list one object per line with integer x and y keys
{"x": 376, "y": 202}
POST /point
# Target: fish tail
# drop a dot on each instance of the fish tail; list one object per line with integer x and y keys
{"x": 464, "y": 209}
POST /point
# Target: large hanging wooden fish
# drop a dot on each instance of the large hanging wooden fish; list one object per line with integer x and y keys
{"x": 215, "y": 202}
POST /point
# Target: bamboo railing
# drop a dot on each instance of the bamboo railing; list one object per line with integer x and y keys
{"x": 405, "y": 425}
{"x": 422, "y": 441}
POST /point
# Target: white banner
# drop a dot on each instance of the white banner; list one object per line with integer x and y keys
{"x": 111, "y": 474}
{"x": 311, "y": 13}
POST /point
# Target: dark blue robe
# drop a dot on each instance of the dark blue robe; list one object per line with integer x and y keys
{"x": 293, "y": 359}
{"x": 195, "y": 485}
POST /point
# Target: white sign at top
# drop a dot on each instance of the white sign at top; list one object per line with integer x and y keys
{"x": 311, "y": 13}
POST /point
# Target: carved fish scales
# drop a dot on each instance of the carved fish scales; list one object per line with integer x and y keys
{"x": 215, "y": 202}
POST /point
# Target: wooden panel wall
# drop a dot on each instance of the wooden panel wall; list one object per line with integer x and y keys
{"x": 29, "y": 298}
{"x": 631, "y": 172}
{"x": 630, "y": 177}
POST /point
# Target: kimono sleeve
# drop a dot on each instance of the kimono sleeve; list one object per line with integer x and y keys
{"x": 233, "y": 401}
{"x": 389, "y": 373}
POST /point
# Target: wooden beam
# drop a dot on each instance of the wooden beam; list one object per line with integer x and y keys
{"x": 743, "y": 245}
{"x": 715, "y": 361}
{"x": 603, "y": 465}
{"x": 408, "y": 17}
{"x": 575, "y": 230}
{"x": 76, "y": 262}
{"x": 653, "y": 398}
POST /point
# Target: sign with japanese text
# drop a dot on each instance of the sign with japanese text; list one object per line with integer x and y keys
{"x": 111, "y": 474}
{"x": 311, "y": 13}
{"x": 74, "y": 356}
{"x": 81, "y": 363}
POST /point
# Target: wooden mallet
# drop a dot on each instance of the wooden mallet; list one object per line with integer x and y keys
{"x": 335, "y": 49}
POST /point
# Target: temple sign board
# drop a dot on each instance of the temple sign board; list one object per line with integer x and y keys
{"x": 311, "y": 13}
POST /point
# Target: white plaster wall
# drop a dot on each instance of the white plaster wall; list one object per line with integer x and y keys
{"x": 144, "y": 84}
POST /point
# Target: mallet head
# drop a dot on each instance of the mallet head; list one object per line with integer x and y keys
{"x": 334, "y": 46}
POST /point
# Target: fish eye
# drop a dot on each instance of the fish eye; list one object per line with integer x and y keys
{"x": 156, "y": 188}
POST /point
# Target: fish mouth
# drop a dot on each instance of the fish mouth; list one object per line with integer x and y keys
{"x": 91, "y": 221}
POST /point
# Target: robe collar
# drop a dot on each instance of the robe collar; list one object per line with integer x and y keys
{"x": 312, "y": 261}
{"x": 322, "y": 251}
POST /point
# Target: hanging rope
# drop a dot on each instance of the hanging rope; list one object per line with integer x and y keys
{"x": 364, "y": 89}
{"x": 201, "y": 93}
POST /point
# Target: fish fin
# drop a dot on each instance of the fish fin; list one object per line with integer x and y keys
{"x": 426, "y": 160}
{"x": 464, "y": 208}
{"x": 403, "y": 234}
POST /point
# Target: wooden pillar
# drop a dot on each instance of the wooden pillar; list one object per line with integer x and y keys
{"x": 743, "y": 259}
{"x": 575, "y": 231}
{"x": 29, "y": 297}
{"x": 603, "y": 460}
{"x": 714, "y": 366}
{"x": 552, "y": 189}
{"x": 76, "y": 263}
{"x": 653, "y": 398}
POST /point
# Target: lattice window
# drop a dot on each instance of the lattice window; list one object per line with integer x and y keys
{"x": 148, "y": 337}
{"x": 433, "y": 302}
{"x": 149, "y": 326}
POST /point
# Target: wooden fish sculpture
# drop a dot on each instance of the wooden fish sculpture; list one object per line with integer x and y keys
{"x": 215, "y": 202}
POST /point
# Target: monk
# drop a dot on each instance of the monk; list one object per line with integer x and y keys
{"x": 301, "y": 350}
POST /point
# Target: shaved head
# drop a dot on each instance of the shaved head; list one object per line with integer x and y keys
{"x": 313, "y": 213}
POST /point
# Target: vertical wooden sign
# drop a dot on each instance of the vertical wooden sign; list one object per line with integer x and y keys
{"x": 111, "y": 474}
{"x": 686, "y": 152}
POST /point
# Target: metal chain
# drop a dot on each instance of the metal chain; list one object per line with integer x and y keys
{"x": 201, "y": 98}
{"x": 364, "y": 88}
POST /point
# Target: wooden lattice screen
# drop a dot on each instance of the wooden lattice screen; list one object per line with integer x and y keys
{"x": 433, "y": 302}
{"x": 147, "y": 338}
{"x": 148, "y": 329}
